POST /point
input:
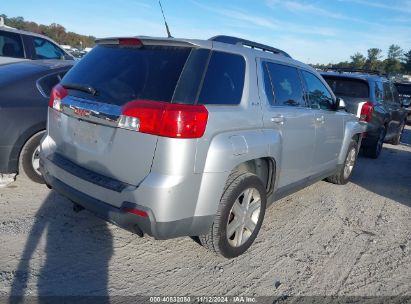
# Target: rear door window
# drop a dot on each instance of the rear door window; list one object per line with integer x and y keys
{"x": 44, "y": 49}
{"x": 387, "y": 93}
{"x": 268, "y": 87}
{"x": 318, "y": 94}
{"x": 379, "y": 91}
{"x": 348, "y": 87}
{"x": 283, "y": 85}
{"x": 396, "y": 96}
{"x": 224, "y": 80}
{"x": 122, "y": 74}
{"x": 46, "y": 83}
{"x": 11, "y": 45}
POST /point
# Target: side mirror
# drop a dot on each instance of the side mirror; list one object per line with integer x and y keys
{"x": 340, "y": 104}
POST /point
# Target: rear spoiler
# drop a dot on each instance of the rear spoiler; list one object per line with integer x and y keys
{"x": 143, "y": 40}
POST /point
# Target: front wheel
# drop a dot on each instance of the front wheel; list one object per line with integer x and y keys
{"x": 345, "y": 172}
{"x": 239, "y": 216}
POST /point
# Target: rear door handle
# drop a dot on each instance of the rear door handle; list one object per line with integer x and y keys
{"x": 278, "y": 119}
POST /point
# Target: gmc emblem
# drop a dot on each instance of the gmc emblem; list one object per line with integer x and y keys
{"x": 81, "y": 112}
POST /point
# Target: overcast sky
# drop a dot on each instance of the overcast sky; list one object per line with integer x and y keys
{"x": 311, "y": 31}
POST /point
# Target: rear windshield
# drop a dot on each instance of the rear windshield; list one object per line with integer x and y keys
{"x": 121, "y": 74}
{"x": 404, "y": 89}
{"x": 348, "y": 87}
{"x": 159, "y": 73}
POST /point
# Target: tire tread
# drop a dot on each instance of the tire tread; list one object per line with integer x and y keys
{"x": 338, "y": 178}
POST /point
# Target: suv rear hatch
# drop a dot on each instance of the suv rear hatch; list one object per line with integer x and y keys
{"x": 404, "y": 90}
{"x": 89, "y": 121}
{"x": 352, "y": 90}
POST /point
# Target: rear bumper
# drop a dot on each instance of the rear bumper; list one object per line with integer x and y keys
{"x": 135, "y": 224}
{"x": 188, "y": 226}
{"x": 370, "y": 139}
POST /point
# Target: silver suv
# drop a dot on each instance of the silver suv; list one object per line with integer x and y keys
{"x": 175, "y": 137}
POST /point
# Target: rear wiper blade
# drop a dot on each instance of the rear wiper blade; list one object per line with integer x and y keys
{"x": 80, "y": 87}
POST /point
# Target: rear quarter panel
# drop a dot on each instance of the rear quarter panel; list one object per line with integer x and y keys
{"x": 352, "y": 128}
{"x": 234, "y": 135}
{"x": 23, "y": 113}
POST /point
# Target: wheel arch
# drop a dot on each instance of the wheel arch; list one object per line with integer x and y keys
{"x": 353, "y": 131}
{"x": 255, "y": 151}
{"x": 19, "y": 144}
{"x": 264, "y": 168}
{"x": 24, "y": 144}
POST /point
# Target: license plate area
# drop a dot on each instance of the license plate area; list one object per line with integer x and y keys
{"x": 85, "y": 133}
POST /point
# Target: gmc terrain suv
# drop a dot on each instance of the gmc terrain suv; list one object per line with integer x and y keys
{"x": 174, "y": 137}
{"x": 374, "y": 99}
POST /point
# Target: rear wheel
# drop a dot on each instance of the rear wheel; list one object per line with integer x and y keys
{"x": 397, "y": 138}
{"x": 374, "y": 150}
{"x": 30, "y": 159}
{"x": 345, "y": 172}
{"x": 239, "y": 216}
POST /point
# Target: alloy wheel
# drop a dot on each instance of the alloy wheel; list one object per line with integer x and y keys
{"x": 243, "y": 217}
{"x": 349, "y": 163}
{"x": 35, "y": 160}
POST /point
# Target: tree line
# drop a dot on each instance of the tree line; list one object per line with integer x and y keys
{"x": 396, "y": 62}
{"x": 55, "y": 31}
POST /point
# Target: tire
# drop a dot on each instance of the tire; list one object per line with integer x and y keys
{"x": 374, "y": 150}
{"x": 28, "y": 161}
{"x": 397, "y": 138}
{"x": 345, "y": 172}
{"x": 238, "y": 185}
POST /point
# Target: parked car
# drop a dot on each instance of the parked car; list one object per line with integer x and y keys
{"x": 176, "y": 137}
{"x": 374, "y": 99}
{"x": 24, "y": 93}
{"x": 16, "y": 45}
{"x": 404, "y": 89}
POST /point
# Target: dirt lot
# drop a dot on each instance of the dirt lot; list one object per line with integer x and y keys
{"x": 324, "y": 240}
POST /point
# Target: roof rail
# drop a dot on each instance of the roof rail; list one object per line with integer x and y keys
{"x": 248, "y": 43}
{"x": 352, "y": 70}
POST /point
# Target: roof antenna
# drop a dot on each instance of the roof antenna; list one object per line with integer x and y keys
{"x": 165, "y": 22}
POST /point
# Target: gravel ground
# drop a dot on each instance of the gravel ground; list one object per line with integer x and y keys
{"x": 324, "y": 240}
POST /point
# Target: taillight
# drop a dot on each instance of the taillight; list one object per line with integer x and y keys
{"x": 164, "y": 119}
{"x": 135, "y": 211}
{"x": 366, "y": 111}
{"x": 56, "y": 96}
